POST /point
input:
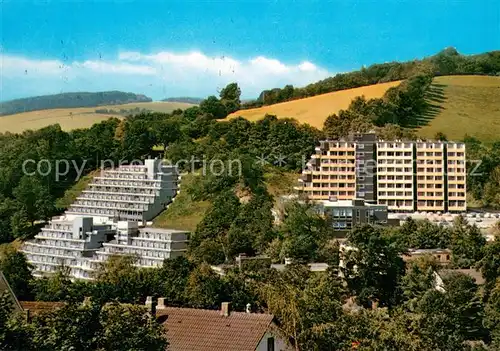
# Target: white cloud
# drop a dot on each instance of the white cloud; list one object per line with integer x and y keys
{"x": 116, "y": 68}
{"x": 158, "y": 75}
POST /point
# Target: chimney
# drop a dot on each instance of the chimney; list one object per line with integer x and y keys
{"x": 150, "y": 306}
{"x": 248, "y": 308}
{"x": 27, "y": 316}
{"x": 225, "y": 309}
{"x": 161, "y": 304}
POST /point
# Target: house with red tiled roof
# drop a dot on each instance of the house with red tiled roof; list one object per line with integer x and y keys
{"x": 191, "y": 329}
{"x": 37, "y": 307}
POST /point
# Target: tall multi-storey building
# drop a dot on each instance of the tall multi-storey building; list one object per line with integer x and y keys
{"x": 431, "y": 176}
{"x": 405, "y": 175}
{"x": 456, "y": 180}
{"x": 108, "y": 219}
{"x": 395, "y": 175}
{"x": 331, "y": 171}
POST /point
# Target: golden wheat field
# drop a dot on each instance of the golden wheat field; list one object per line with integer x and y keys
{"x": 73, "y": 118}
{"x": 314, "y": 110}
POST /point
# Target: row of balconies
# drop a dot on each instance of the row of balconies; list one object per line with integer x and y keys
{"x": 116, "y": 192}
{"x": 399, "y": 194}
{"x": 394, "y": 170}
{"x": 143, "y": 180}
{"x": 111, "y": 205}
{"x": 127, "y": 250}
{"x": 54, "y": 226}
{"x": 332, "y": 185}
{"x": 52, "y": 251}
{"x": 55, "y": 243}
{"x": 126, "y": 183}
{"x": 349, "y": 163}
{"x": 394, "y": 162}
{"x": 45, "y": 234}
{"x": 317, "y": 192}
{"x": 394, "y": 154}
{"x": 51, "y": 260}
{"x": 144, "y": 202}
{"x": 124, "y": 175}
{"x": 126, "y": 214}
{"x": 117, "y": 198}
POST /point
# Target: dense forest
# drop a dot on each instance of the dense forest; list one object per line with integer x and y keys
{"x": 69, "y": 100}
{"x": 446, "y": 62}
{"x": 378, "y": 302}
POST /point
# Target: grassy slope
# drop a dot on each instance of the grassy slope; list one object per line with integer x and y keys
{"x": 72, "y": 193}
{"x": 314, "y": 110}
{"x": 279, "y": 182}
{"x": 469, "y": 105}
{"x": 73, "y": 118}
{"x": 184, "y": 212}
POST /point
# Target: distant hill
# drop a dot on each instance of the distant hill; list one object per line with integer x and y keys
{"x": 314, "y": 110}
{"x": 70, "y": 100}
{"x": 187, "y": 100}
{"x": 81, "y": 117}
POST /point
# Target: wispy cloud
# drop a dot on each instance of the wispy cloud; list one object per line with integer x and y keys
{"x": 158, "y": 75}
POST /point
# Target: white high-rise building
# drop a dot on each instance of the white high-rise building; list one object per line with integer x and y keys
{"x": 108, "y": 218}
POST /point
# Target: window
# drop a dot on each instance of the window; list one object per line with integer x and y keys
{"x": 270, "y": 344}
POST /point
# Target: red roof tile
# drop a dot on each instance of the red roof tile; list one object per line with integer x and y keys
{"x": 191, "y": 329}
{"x": 36, "y": 307}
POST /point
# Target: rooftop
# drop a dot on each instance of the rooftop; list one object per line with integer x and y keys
{"x": 191, "y": 329}
{"x": 476, "y": 275}
{"x": 36, "y": 307}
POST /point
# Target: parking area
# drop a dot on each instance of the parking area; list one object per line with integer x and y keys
{"x": 482, "y": 220}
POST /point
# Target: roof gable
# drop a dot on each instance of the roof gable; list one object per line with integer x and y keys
{"x": 5, "y": 287}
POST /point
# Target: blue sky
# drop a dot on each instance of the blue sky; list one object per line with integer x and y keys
{"x": 179, "y": 48}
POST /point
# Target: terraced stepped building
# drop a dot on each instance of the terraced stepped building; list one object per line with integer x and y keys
{"x": 405, "y": 175}
{"x": 128, "y": 193}
{"x": 109, "y": 218}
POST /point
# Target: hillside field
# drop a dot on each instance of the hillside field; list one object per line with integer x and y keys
{"x": 470, "y": 105}
{"x": 314, "y": 110}
{"x": 465, "y": 105}
{"x": 73, "y": 118}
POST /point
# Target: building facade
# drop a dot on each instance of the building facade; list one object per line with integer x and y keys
{"x": 331, "y": 171}
{"x": 82, "y": 245}
{"x": 346, "y": 214}
{"x": 128, "y": 193}
{"x": 406, "y": 176}
{"x": 110, "y": 218}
